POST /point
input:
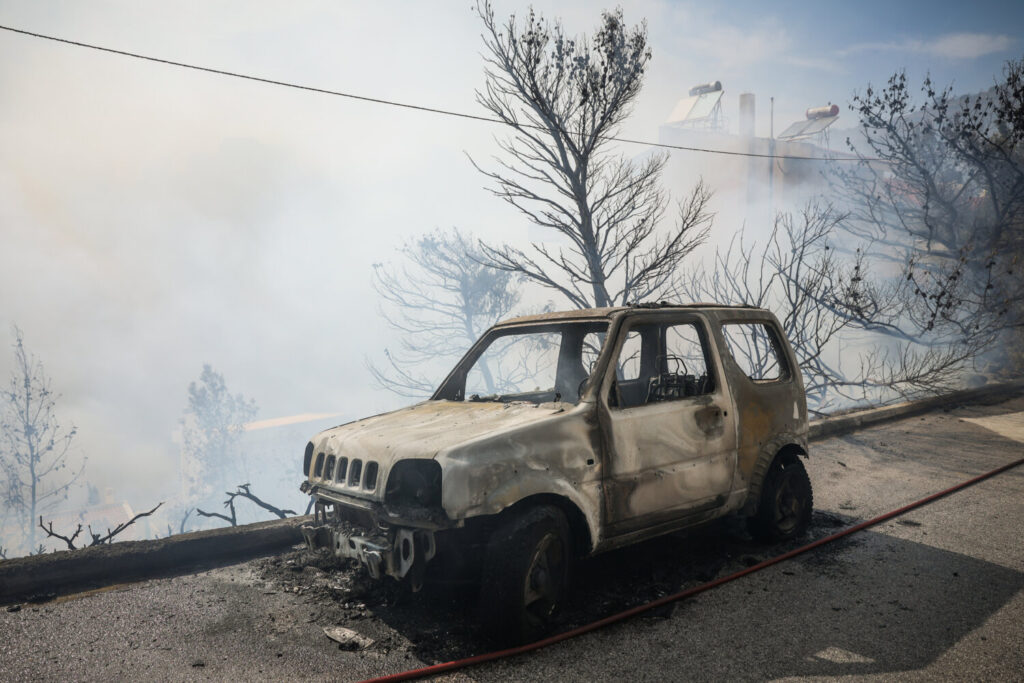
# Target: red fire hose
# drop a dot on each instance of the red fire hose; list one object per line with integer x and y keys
{"x": 621, "y": 616}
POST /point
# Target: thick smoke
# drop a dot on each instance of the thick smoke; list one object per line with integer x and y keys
{"x": 157, "y": 219}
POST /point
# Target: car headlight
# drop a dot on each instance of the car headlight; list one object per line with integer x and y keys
{"x": 414, "y": 482}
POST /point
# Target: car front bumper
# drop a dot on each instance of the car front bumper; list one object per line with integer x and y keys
{"x": 393, "y": 551}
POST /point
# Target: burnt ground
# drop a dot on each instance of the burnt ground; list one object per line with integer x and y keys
{"x": 440, "y": 622}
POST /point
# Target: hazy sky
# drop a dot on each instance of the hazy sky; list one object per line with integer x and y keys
{"x": 153, "y": 218}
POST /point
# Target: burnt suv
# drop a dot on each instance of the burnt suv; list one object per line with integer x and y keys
{"x": 568, "y": 434}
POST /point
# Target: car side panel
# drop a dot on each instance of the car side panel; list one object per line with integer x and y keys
{"x": 770, "y": 414}
{"x": 560, "y": 455}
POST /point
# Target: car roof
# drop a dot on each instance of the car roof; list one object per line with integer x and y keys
{"x": 608, "y": 312}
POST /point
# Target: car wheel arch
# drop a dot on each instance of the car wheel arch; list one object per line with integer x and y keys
{"x": 784, "y": 448}
{"x": 581, "y": 536}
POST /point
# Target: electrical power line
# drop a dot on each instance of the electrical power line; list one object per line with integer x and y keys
{"x": 403, "y": 105}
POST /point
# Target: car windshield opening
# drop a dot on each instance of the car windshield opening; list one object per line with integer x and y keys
{"x": 537, "y": 364}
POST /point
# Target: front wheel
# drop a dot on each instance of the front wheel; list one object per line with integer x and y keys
{"x": 526, "y": 570}
{"x": 784, "y": 511}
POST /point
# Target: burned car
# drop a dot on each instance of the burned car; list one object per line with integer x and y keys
{"x": 567, "y": 434}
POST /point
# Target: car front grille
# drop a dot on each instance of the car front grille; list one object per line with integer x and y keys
{"x": 343, "y": 472}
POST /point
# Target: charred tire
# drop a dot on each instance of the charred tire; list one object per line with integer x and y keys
{"x": 525, "y": 574}
{"x": 784, "y": 511}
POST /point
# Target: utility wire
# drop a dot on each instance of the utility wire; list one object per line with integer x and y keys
{"x": 403, "y": 105}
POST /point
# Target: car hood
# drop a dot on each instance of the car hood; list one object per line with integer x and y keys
{"x": 426, "y": 429}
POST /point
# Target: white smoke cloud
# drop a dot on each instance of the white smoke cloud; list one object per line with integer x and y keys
{"x": 948, "y": 46}
{"x": 154, "y": 219}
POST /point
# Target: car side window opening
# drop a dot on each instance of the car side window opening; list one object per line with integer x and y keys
{"x": 755, "y": 348}
{"x": 661, "y": 362}
{"x": 628, "y": 367}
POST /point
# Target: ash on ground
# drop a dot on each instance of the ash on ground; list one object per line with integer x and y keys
{"x": 440, "y": 623}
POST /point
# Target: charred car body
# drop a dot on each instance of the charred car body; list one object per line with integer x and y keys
{"x": 568, "y": 434}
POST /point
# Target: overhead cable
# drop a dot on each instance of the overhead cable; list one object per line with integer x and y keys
{"x": 404, "y": 105}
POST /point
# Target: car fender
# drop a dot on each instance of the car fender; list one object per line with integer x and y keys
{"x": 557, "y": 456}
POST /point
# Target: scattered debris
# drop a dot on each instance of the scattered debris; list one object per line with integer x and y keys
{"x": 347, "y": 639}
{"x": 440, "y": 623}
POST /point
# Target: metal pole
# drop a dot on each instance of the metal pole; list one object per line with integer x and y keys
{"x": 771, "y": 151}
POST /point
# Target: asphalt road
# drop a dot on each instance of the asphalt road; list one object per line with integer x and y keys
{"x": 935, "y": 594}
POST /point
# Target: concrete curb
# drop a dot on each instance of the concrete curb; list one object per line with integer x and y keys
{"x": 41, "y": 577}
{"x": 851, "y": 422}
{"x": 45, "y": 576}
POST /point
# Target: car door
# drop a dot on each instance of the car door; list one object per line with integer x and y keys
{"x": 766, "y": 383}
{"x": 669, "y": 424}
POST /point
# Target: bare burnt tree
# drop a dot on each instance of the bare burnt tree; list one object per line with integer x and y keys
{"x": 437, "y": 303}
{"x": 564, "y": 98}
{"x": 211, "y": 426}
{"x": 790, "y": 275}
{"x": 942, "y": 214}
{"x": 36, "y": 465}
{"x": 96, "y": 538}
{"x": 244, "y": 492}
{"x": 844, "y": 354}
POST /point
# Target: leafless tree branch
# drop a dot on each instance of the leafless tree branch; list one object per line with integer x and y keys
{"x": 439, "y": 302}
{"x": 244, "y": 492}
{"x": 97, "y": 539}
{"x": 68, "y": 540}
{"x": 831, "y": 309}
{"x": 947, "y": 209}
{"x": 564, "y": 98}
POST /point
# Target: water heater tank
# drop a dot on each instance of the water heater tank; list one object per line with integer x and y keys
{"x": 822, "y": 112}
{"x": 705, "y": 88}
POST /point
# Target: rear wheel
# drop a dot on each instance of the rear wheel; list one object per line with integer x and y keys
{"x": 786, "y": 501}
{"x": 525, "y": 575}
